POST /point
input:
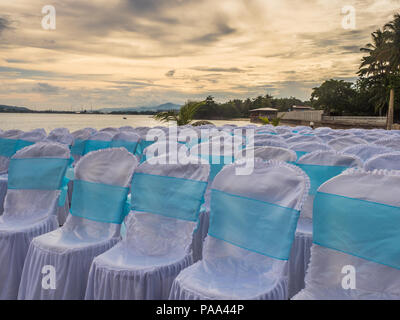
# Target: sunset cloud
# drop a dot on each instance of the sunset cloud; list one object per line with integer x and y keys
{"x": 109, "y": 53}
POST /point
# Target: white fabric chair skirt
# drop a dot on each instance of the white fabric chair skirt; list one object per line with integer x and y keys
{"x": 300, "y": 256}
{"x": 14, "y": 244}
{"x": 120, "y": 274}
{"x": 199, "y": 283}
{"x": 71, "y": 265}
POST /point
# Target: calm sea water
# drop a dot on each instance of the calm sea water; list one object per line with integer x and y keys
{"x": 78, "y": 121}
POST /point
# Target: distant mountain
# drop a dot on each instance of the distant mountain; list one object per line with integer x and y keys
{"x": 4, "y": 108}
{"x": 161, "y": 107}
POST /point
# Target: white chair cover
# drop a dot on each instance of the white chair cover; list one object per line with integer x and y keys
{"x": 302, "y": 129}
{"x": 326, "y": 137}
{"x": 325, "y": 274}
{"x": 326, "y": 158}
{"x": 268, "y": 140}
{"x": 127, "y": 128}
{"x": 267, "y": 153}
{"x": 27, "y": 214}
{"x": 111, "y": 131}
{"x": 80, "y": 135}
{"x": 71, "y": 248}
{"x": 174, "y": 151}
{"x": 373, "y": 137}
{"x": 303, "y": 138}
{"x": 301, "y": 250}
{"x": 4, "y": 161}
{"x": 341, "y": 143}
{"x": 98, "y": 136}
{"x": 310, "y": 147}
{"x": 228, "y": 272}
{"x": 393, "y": 143}
{"x": 323, "y": 131}
{"x": 156, "y": 248}
{"x": 61, "y": 135}
{"x": 127, "y": 136}
{"x": 389, "y": 161}
{"x": 366, "y": 151}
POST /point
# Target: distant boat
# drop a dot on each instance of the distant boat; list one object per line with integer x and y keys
{"x": 124, "y": 118}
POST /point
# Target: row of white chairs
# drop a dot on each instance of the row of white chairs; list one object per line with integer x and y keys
{"x": 320, "y": 154}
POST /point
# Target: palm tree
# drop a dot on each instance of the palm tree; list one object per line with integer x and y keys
{"x": 182, "y": 117}
{"x": 382, "y": 64}
{"x": 393, "y": 55}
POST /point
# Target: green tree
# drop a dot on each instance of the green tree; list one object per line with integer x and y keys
{"x": 334, "y": 96}
{"x": 381, "y": 66}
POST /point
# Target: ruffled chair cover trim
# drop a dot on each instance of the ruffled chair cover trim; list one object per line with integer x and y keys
{"x": 108, "y": 283}
{"x": 13, "y": 260}
{"x": 180, "y": 292}
{"x": 75, "y": 262}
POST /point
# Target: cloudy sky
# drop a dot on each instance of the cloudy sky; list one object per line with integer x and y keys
{"x": 112, "y": 53}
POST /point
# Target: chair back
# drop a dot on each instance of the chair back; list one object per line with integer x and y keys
{"x": 101, "y": 186}
{"x": 366, "y": 151}
{"x": 356, "y": 216}
{"x": 320, "y": 166}
{"x": 388, "y": 161}
{"x": 166, "y": 200}
{"x": 35, "y": 180}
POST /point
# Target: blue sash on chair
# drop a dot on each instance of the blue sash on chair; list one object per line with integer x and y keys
{"x": 94, "y": 145}
{"x": 37, "y": 173}
{"x": 99, "y": 202}
{"x": 365, "y": 229}
{"x": 131, "y": 146}
{"x": 254, "y": 225}
{"x": 7, "y": 147}
{"x": 168, "y": 196}
{"x": 319, "y": 174}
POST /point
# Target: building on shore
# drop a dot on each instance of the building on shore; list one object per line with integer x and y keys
{"x": 301, "y": 108}
{"x": 269, "y": 113}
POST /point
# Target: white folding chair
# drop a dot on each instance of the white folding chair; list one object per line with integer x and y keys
{"x": 267, "y": 140}
{"x": 30, "y": 207}
{"x": 8, "y": 141}
{"x": 252, "y": 227}
{"x": 320, "y": 166}
{"x": 343, "y": 142}
{"x": 355, "y": 252}
{"x": 110, "y": 130}
{"x": 61, "y": 135}
{"x": 392, "y": 142}
{"x": 29, "y": 138}
{"x": 101, "y": 185}
{"x": 267, "y": 153}
{"x": 388, "y": 161}
{"x": 366, "y": 151}
{"x": 126, "y": 139}
{"x": 300, "y": 138}
{"x": 98, "y": 141}
{"x": 166, "y": 199}
{"x": 78, "y": 146}
{"x": 218, "y": 154}
{"x": 304, "y": 148}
